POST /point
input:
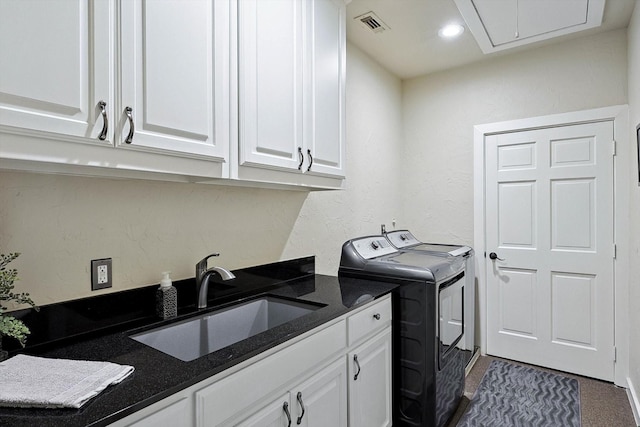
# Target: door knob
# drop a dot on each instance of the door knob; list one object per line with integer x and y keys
{"x": 495, "y": 256}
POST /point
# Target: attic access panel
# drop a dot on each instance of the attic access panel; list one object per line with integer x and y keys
{"x": 503, "y": 24}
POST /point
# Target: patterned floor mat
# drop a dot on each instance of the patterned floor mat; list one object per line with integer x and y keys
{"x": 519, "y": 396}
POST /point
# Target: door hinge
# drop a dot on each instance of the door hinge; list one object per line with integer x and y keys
{"x": 615, "y": 354}
{"x": 614, "y": 147}
{"x": 615, "y": 251}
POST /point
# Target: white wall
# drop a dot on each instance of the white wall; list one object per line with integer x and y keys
{"x": 441, "y": 109}
{"x": 372, "y": 196}
{"x": 633, "y": 37}
{"x": 60, "y": 223}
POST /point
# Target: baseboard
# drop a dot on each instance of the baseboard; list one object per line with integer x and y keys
{"x": 472, "y": 361}
{"x": 633, "y": 400}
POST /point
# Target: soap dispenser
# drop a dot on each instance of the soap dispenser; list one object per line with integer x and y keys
{"x": 166, "y": 298}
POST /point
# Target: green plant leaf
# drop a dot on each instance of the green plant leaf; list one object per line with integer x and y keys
{"x": 9, "y": 325}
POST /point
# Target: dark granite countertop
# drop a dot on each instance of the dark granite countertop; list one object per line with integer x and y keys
{"x": 93, "y": 329}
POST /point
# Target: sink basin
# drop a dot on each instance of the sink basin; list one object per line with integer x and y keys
{"x": 192, "y": 338}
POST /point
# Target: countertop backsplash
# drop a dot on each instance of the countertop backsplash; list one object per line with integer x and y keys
{"x": 66, "y": 321}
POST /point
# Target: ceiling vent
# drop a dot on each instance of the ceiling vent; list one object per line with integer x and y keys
{"x": 371, "y": 22}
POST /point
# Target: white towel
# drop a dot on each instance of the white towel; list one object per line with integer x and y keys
{"x": 27, "y": 381}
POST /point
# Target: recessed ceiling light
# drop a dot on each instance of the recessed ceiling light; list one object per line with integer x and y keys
{"x": 450, "y": 31}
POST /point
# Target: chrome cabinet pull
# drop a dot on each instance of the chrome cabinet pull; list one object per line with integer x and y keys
{"x": 285, "y": 408}
{"x": 299, "y": 397}
{"x": 355, "y": 359}
{"x": 301, "y": 156}
{"x": 376, "y": 316}
{"x": 310, "y": 160}
{"x": 132, "y": 129}
{"x": 105, "y": 121}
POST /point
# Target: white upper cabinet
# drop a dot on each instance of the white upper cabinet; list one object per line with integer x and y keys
{"x": 174, "y": 77}
{"x": 326, "y": 87}
{"x": 56, "y": 62}
{"x": 197, "y": 90}
{"x": 73, "y": 72}
{"x": 291, "y": 88}
{"x": 270, "y": 82}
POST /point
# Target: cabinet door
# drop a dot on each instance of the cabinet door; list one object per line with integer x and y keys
{"x": 275, "y": 414}
{"x": 175, "y": 77}
{"x": 322, "y": 400}
{"x": 270, "y": 83}
{"x": 370, "y": 383}
{"x": 56, "y": 66}
{"x": 175, "y": 411}
{"x": 236, "y": 396}
{"x": 178, "y": 414}
{"x": 325, "y": 132}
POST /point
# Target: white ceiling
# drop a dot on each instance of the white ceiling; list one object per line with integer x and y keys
{"x": 411, "y": 46}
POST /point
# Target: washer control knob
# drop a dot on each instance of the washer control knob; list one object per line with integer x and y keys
{"x": 375, "y": 245}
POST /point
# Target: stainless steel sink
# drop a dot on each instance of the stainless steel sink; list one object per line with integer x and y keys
{"x": 192, "y": 338}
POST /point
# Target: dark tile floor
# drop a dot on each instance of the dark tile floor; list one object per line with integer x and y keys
{"x": 601, "y": 403}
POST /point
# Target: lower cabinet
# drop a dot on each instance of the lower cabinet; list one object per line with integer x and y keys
{"x": 320, "y": 401}
{"x": 174, "y": 411}
{"x": 275, "y": 414}
{"x": 370, "y": 383}
{"x": 336, "y": 375}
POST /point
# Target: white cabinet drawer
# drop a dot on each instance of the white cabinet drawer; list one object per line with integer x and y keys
{"x": 369, "y": 320}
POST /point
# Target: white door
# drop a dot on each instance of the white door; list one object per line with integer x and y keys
{"x": 175, "y": 77}
{"x": 56, "y": 58}
{"x": 370, "y": 383}
{"x": 323, "y": 398}
{"x": 549, "y": 217}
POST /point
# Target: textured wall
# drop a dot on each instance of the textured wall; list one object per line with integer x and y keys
{"x": 60, "y": 223}
{"x": 634, "y": 200}
{"x": 371, "y": 197}
{"x": 441, "y": 109}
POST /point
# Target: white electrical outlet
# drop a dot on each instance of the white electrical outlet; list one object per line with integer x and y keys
{"x": 100, "y": 273}
{"x": 103, "y": 275}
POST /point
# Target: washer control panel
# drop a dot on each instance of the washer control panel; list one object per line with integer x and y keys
{"x": 373, "y": 247}
{"x": 402, "y": 239}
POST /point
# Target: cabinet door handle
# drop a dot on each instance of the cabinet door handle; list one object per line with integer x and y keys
{"x": 299, "y": 397}
{"x": 376, "y": 316}
{"x": 301, "y": 157}
{"x": 285, "y": 408}
{"x": 310, "y": 160}
{"x": 129, "y": 112}
{"x": 355, "y": 359}
{"x": 105, "y": 120}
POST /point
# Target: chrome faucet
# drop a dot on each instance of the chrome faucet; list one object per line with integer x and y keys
{"x": 202, "y": 278}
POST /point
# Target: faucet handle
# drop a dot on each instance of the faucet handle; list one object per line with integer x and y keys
{"x": 201, "y": 266}
{"x": 209, "y": 256}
